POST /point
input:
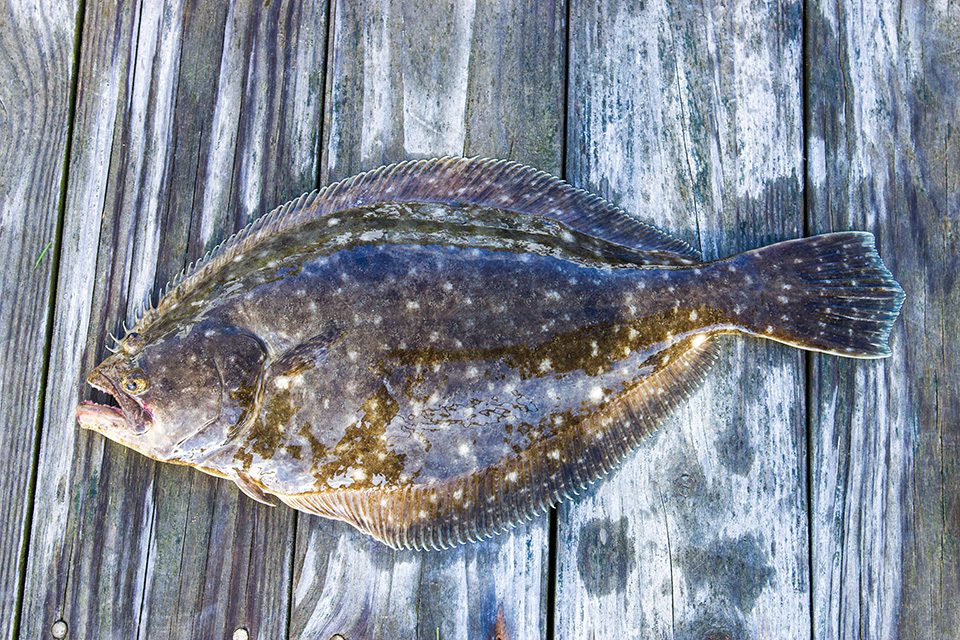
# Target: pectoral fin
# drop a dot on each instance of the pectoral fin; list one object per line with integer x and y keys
{"x": 305, "y": 356}
{"x": 253, "y": 490}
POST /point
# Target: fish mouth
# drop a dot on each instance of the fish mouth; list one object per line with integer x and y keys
{"x": 100, "y": 417}
{"x": 130, "y": 415}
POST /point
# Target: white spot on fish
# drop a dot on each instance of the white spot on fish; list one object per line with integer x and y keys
{"x": 596, "y": 394}
{"x": 694, "y": 315}
{"x": 332, "y": 222}
{"x": 512, "y": 476}
{"x": 413, "y": 305}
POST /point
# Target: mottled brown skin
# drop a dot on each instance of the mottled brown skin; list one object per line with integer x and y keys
{"x": 399, "y": 364}
{"x": 434, "y": 360}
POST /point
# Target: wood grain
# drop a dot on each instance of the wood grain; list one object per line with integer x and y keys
{"x": 192, "y": 118}
{"x": 691, "y": 117}
{"x": 412, "y": 80}
{"x": 884, "y": 155}
{"x": 36, "y": 47}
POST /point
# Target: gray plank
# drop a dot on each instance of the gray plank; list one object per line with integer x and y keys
{"x": 412, "y": 79}
{"x": 36, "y": 63}
{"x": 192, "y": 118}
{"x": 691, "y": 117}
{"x": 884, "y": 154}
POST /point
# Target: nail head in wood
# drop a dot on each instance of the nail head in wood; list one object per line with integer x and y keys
{"x": 59, "y": 629}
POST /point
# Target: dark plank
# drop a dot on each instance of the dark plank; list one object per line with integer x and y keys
{"x": 691, "y": 117}
{"x": 192, "y": 118}
{"x": 884, "y": 154}
{"x": 423, "y": 79}
{"x": 36, "y": 63}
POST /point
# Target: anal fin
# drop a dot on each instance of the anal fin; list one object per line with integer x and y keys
{"x": 478, "y": 505}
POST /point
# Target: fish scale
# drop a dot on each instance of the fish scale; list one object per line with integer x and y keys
{"x": 437, "y": 350}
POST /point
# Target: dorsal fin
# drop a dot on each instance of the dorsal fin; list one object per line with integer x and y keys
{"x": 479, "y": 505}
{"x": 451, "y": 180}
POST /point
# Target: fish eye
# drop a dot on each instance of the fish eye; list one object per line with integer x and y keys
{"x": 135, "y": 383}
{"x": 132, "y": 342}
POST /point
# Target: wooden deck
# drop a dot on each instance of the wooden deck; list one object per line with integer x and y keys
{"x": 796, "y": 496}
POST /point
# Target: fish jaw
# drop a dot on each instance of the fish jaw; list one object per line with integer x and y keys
{"x": 101, "y": 418}
{"x": 130, "y": 416}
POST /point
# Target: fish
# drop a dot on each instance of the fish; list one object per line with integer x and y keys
{"x": 437, "y": 350}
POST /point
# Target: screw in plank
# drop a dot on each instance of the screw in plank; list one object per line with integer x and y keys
{"x": 241, "y": 633}
{"x": 59, "y": 629}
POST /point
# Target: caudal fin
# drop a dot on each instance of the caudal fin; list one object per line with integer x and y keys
{"x": 829, "y": 293}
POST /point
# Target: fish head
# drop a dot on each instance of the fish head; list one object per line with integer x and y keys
{"x": 180, "y": 393}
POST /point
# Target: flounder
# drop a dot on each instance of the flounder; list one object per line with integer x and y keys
{"x": 436, "y": 350}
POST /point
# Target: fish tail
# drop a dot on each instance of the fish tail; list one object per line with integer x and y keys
{"x": 829, "y": 293}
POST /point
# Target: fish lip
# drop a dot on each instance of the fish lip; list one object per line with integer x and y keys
{"x": 99, "y": 417}
{"x": 135, "y": 415}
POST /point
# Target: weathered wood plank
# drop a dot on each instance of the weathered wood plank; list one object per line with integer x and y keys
{"x": 192, "y": 118}
{"x": 884, "y": 155}
{"x": 423, "y": 79}
{"x": 692, "y": 117}
{"x": 36, "y": 63}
